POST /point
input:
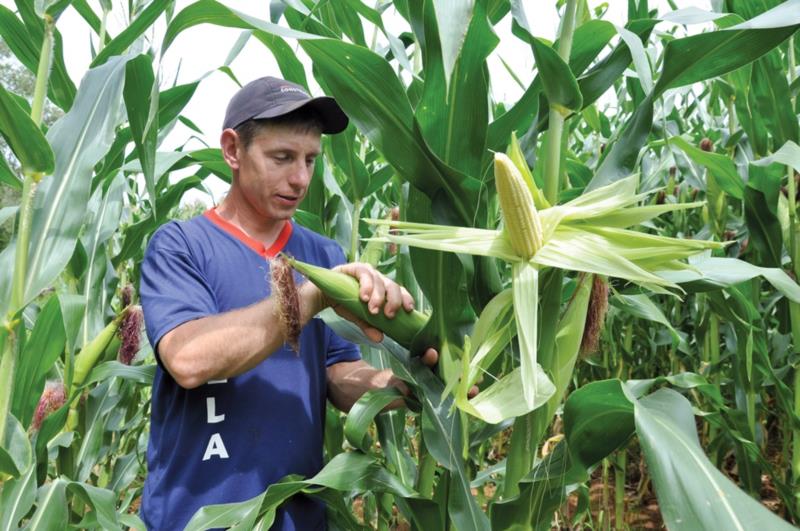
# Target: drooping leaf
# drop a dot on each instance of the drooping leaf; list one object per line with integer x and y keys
{"x": 24, "y": 137}
{"x": 559, "y": 82}
{"x": 711, "y": 273}
{"x": 707, "y": 55}
{"x": 364, "y": 412}
{"x": 141, "y": 101}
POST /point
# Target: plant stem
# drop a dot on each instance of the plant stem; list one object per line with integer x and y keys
{"x": 555, "y": 130}
{"x": 619, "y": 489}
{"x": 102, "y": 42}
{"x": 43, "y": 72}
{"x": 794, "y": 309}
{"x": 427, "y": 473}
{"x": 354, "y": 232}
{"x": 9, "y": 344}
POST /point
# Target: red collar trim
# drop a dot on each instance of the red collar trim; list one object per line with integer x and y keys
{"x": 257, "y": 246}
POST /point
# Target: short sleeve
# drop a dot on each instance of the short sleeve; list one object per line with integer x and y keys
{"x": 173, "y": 288}
{"x": 339, "y": 349}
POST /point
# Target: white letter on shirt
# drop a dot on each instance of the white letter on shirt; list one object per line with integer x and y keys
{"x": 211, "y": 411}
{"x": 215, "y": 447}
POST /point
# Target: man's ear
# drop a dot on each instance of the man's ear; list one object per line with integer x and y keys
{"x": 229, "y": 142}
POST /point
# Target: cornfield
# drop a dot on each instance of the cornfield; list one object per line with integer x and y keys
{"x": 611, "y": 258}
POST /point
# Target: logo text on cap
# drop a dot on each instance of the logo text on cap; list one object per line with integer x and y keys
{"x": 293, "y": 89}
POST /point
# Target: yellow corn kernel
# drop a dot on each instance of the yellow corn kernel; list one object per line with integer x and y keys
{"x": 521, "y": 219}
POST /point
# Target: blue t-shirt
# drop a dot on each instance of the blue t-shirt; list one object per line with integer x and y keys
{"x": 227, "y": 441}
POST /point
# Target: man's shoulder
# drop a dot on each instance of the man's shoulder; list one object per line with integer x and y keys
{"x": 328, "y": 251}
{"x": 178, "y": 235}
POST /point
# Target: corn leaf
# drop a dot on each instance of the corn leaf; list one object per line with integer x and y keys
{"x": 665, "y": 425}
{"x": 17, "y": 498}
{"x": 559, "y": 82}
{"x": 721, "y": 166}
{"x": 711, "y": 273}
{"x": 24, "y": 137}
{"x": 79, "y": 140}
{"x": 133, "y": 31}
{"x": 364, "y": 412}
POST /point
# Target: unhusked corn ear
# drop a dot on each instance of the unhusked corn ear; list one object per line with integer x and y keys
{"x": 344, "y": 290}
{"x": 521, "y": 220}
{"x": 89, "y": 355}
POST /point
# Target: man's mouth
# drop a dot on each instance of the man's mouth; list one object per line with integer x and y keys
{"x": 288, "y": 198}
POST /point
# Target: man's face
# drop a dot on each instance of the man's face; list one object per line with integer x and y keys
{"x": 275, "y": 170}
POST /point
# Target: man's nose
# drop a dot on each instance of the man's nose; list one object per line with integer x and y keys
{"x": 301, "y": 173}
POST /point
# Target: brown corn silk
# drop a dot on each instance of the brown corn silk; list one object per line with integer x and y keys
{"x": 287, "y": 301}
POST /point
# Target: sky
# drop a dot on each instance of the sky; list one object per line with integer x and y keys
{"x": 201, "y": 49}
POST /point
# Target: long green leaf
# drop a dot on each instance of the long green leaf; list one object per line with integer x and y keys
{"x": 141, "y": 101}
{"x": 51, "y": 506}
{"x": 213, "y": 12}
{"x": 453, "y": 19}
{"x": 17, "y": 498}
{"x": 44, "y": 346}
{"x": 24, "y": 137}
{"x": 364, "y": 412}
{"x": 79, "y": 140}
{"x": 133, "y": 31}
{"x": 712, "y": 54}
{"x": 722, "y": 167}
{"x": 559, "y": 82}
{"x": 374, "y": 99}
{"x": 692, "y": 493}
{"x": 711, "y": 273}
{"x": 104, "y": 211}
{"x": 15, "y": 450}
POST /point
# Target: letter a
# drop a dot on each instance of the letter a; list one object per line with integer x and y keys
{"x": 215, "y": 447}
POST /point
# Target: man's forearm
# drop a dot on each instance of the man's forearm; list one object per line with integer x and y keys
{"x": 349, "y": 380}
{"x": 231, "y": 343}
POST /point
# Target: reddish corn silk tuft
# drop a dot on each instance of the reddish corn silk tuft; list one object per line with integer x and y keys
{"x": 53, "y": 397}
{"x": 126, "y": 295}
{"x": 130, "y": 333}
{"x": 288, "y": 303}
{"x": 595, "y": 316}
{"x": 706, "y": 144}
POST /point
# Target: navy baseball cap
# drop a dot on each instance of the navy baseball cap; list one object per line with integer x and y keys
{"x": 268, "y": 97}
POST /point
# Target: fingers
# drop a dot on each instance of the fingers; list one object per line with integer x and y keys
{"x": 378, "y": 291}
{"x": 430, "y": 357}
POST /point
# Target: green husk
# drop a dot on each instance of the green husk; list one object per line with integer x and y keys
{"x": 344, "y": 290}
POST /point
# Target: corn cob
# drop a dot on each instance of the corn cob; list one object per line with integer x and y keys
{"x": 91, "y": 352}
{"x": 522, "y": 223}
{"x": 344, "y": 290}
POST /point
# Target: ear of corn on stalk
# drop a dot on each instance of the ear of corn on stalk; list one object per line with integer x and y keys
{"x": 522, "y": 223}
{"x": 587, "y": 234}
{"x": 344, "y": 289}
{"x": 89, "y": 355}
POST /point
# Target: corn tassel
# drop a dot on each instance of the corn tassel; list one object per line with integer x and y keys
{"x": 344, "y": 289}
{"x": 522, "y": 223}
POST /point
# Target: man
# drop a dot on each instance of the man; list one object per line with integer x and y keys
{"x": 233, "y": 409}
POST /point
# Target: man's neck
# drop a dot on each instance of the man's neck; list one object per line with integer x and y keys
{"x": 237, "y": 212}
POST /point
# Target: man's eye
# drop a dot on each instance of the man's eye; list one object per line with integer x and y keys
{"x": 310, "y": 162}
{"x": 281, "y": 157}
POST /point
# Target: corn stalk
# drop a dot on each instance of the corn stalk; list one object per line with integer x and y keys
{"x": 10, "y": 346}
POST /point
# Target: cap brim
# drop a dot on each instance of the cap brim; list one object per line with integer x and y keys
{"x": 333, "y": 118}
